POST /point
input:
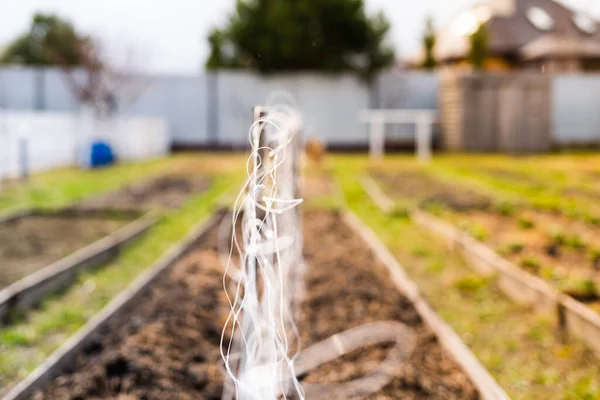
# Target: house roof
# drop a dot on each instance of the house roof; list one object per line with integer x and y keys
{"x": 555, "y": 46}
{"x": 514, "y": 28}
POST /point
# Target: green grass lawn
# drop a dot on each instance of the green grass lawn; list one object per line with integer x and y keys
{"x": 518, "y": 348}
{"x": 26, "y": 344}
{"x": 58, "y": 188}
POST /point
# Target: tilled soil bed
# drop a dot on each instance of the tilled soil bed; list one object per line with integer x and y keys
{"x": 429, "y": 191}
{"x": 346, "y": 287}
{"x": 30, "y": 243}
{"x": 166, "y": 192}
{"x": 558, "y": 248}
{"x": 167, "y": 345}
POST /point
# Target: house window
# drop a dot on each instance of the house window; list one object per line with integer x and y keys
{"x": 585, "y": 23}
{"x": 540, "y": 18}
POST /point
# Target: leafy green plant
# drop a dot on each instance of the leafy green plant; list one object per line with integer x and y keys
{"x": 475, "y": 230}
{"x": 506, "y": 209}
{"x": 592, "y": 220}
{"x": 581, "y": 289}
{"x": 589, "y": 287}
{"x": 470, "y": 284}
{"x": 436, "y": 266}
{"x": 479, "y": 233}
{"x": 435, "y": 207}
{"x": 575, "y": 242}
{"x": 526, "y": 223}
{"x": 594, "y": 256}
{"x": 420, "y": 252}
{"x": 559, "y": 238}
{"x": 531, "y": 263}
{"x": 551, "y": 273}
{"x": 537, "y": 333}
{"x": 512, "y": 248}
{"x": 400, "y": 212}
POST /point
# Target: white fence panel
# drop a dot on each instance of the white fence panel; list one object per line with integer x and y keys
{"x": 216, "y": 108}
{"x": 330, "y": 104}
{"x": 53, "y": 140}
{"x": 576, "y": 109}
{"x": 135, "y": 139}
{"x": 18, "y": 88}
{"x": 405, "y": 91}
{"x": 47, "y": 140}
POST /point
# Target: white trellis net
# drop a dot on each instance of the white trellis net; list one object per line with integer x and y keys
{"x": 264, "y": 341}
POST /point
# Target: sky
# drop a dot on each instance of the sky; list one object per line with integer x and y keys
{"x": 170, "y": 35}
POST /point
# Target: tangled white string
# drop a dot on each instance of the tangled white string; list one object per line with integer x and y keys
{"x": 260, "y": 340}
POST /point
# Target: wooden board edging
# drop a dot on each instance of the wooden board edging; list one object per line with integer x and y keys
{"x": 378, "y": 196}
{"x": 65, "y": 355}
{"x": 571, "y": 316}
{"x": 487, "y": 386}
{"x": 30, "y": 290}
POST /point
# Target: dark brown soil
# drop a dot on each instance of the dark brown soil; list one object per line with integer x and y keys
{"x": 347, "y": 287}
{"x": 430, "y": 191}
{"x": 167, "y": 192}
{"x": 315, "y": 186}
{"x": 513, "y": 176}
{"x": 538, "y": 183}
{"x": 537, "y": 249}
{"x": 30, "y": 243}
{"x": 168, "y": 346}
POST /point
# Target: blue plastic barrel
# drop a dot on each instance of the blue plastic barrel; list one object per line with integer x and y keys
{"x": 101, "y": 155}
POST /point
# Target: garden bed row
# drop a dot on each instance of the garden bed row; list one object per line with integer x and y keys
{"x": 160, "y": 338}
{"x": 42, "y": 252}
{"x": 516, "y": 280}
{"x": 561, "y": 250}
{"x": 166, "y": 192}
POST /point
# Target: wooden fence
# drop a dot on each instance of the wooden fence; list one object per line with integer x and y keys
{"x": 496, "y": 112}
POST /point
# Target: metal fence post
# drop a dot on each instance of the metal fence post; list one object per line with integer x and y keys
{"x": 377, "y": 138}
{"x": 24, "y": 159}
{"x": 424, "y": 127}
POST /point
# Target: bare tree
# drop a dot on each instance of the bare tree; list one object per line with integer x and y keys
{"x": 100, "y": 82}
